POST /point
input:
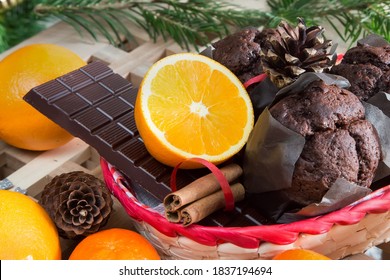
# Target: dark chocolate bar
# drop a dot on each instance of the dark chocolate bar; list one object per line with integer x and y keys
{"x": 97, "y": 105}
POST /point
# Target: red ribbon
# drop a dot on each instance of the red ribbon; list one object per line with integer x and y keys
{"x": 255, "y": 79}
{"x": 340, "y": 57}
{"x": 223, "y": 182}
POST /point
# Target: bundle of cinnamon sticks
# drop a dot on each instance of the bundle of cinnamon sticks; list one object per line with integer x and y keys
{"x": 202, "y": 197}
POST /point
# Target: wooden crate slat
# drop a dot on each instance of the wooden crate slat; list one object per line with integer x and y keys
{"x": 140, "y": 58}
{"x": 45, "y": 163}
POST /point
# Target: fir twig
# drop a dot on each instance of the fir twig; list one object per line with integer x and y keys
{"x": 188, "y": 23}
{"x": 357, "y": 17}
{"x": 3, "y": 38}
{"x": 191, "y": 22}
{"x": 18, "y": 22}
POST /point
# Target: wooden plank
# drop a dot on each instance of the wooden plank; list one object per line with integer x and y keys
{"x": 45, "y": 163}
{"x": 19, "y": 155}
{"x": 140, "y": 58}
{"x": 109, "y": 55}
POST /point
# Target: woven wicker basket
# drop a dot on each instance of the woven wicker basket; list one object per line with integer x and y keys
{"x": 350, "y": 230}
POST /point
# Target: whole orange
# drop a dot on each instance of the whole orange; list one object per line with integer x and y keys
{"x": 114, "y": 244}
{"x": 300, "y": 254}
{"x": 21, "y": 125}
{"x": 26, "y": 230}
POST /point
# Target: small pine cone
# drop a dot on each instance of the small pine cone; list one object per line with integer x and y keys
{"x": 78, "y": 203}
{"x": 287, "y": 52}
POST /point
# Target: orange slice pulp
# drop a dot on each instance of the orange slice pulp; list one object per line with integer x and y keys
{"x": 189, "y": 105}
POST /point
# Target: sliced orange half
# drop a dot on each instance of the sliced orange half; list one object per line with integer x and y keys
{"x": 189, "y": 105}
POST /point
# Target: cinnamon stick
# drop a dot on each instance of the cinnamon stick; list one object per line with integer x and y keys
{"x": 199, "y": 188}
{"x": 196, "y": 211}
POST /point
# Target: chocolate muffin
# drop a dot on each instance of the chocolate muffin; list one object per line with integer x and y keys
{"x": 340, "y": 143}
{"x": 240, "y": 52}
{"x": 364, "y": 53}
{"x": 367, "y": 67}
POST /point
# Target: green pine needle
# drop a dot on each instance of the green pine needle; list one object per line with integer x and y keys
{"x": 190, "y": 23}
{"x": 358, "y": 18}
{"x": 17, "y": 23}
{"x": 3, "y": 39}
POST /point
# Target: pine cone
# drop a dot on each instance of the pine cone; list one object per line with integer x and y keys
{"x": 287, "y": 52}
{"x": 78, "y": 203}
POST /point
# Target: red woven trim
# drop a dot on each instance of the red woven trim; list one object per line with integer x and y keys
{"x": 223, "y": 182}
{"x": 251, "y": 237}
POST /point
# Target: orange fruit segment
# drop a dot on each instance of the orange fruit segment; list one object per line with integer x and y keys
{"x": 189, "y": 105}
{"x": 26, "y": 230}
{"x": 300, "y": 254}
{"x": 21, "y": 125}
{"x": 114, "y": 244}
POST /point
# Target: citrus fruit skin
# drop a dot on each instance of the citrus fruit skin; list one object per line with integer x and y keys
{"x": 26, "y": 230}
{"x": 21, "y": 125}
{"x": 300, "y": 254}
{"x": 189, "y": 105}
{"x": 114, "y": 244}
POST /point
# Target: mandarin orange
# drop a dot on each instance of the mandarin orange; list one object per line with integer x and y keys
{"x": 114, "y": 244}
{"x": 189, "y": 105}
{"x": 300, "y": 254}
{"x": 20, "y": 124}
{"x": 26, "y": 230}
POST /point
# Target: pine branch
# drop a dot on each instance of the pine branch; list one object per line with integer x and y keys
{"x": 377, "y": 17}
{"x": 358, "y": 17}
{"x": 192, "y": 22}
{"x": 3, "y": 38}
{"x": 189, "y": 23}
{"x": 17, "y": 23}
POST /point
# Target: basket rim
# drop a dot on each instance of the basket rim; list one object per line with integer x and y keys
{"x": 249, "y": 237}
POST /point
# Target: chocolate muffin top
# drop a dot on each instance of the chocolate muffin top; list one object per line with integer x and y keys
{"x": 364, "y": 78}
{"x": 384, "y": 82}
{"x": 318, "y": 107}
{"x": 340, "y": 143}
{"x": 367, "y": 67}
{"x": 240, "y": 52}
{"x": 366, "y": 54}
